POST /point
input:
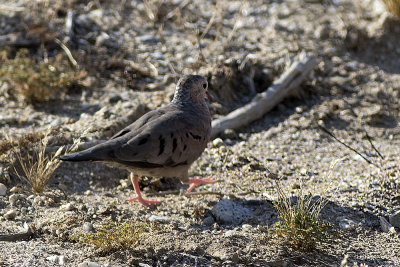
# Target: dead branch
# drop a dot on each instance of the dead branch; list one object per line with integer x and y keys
{"x": 265, "y": 101}
{"x": 18, "y": 237}
{"x": 346, "y": 145}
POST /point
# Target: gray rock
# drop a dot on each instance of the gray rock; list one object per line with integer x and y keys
{"x": 67, "y": 207}
{"x": 13, "y": 199}
{"x": 347, "y": 224}
{"x": 386, "y": 226}
{"x": 208, "y": 221}
{"x": 163, "y": 219}
{"x": 3, "y": 189}
{"x": 88, "y": 227}
{"x": 88, "y": 264}
{"x": 11, "y": 214}
{"x": 394, "y": 219}
{"x": 217, "y": 142}
{"x": 15, "y": 189}
{"x": 230, "y": 212}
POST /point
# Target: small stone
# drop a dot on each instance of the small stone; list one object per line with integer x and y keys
{"x": 88, "y": 264}
{"x": 208, "y": 221}
{"x": 15, "y": 190}
{"x": 246, "y": 227}
{"x": 296, "y": 186}
{"x": 230, "y": 134}
{"x": 38, "y": 200}
{"x": 230, "y": 212}
{"x": 67, "y": 207}
{"x": 230, "y": 233}
{"x": 10, "y": 215}
{"x": 163, "y": 219}
{"x": 394, "y": 219}
{"x": 13, "y": 199}
{"x": 347, "y": 224}
{"x": 53, "y": 258}
{"x": 88, "y": 227}
{"x": 217, "y": 142}
{"x": 386, "y": 226}
{"x": 3, "y": 189}
{"x": 61, "y": 260}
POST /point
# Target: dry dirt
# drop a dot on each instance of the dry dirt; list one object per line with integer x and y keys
{"x": 133, "y": 52}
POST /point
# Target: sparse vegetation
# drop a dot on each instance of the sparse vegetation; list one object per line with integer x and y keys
{"x": 38, "y": 167}
{"x": 37, "y": 80}
{"x": 299, "y": 222}
{"x": 113, "y": 236}
{"x": 393, "y": 6}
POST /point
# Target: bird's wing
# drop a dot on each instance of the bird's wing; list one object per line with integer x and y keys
{"x": 170, "y": 139}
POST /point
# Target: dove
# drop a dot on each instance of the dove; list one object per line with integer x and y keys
{"x": 163, "y": 142}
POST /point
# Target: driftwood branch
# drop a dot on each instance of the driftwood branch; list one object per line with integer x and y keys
{"x": 265, "y": 101}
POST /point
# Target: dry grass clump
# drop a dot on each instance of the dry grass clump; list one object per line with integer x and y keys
{"x": 393, "y": 6}
{"x": 37, "y": 80}
{"x": 38, "y": 166}
{"x": 299, "y": 223}
{"x": 113, "y": 236}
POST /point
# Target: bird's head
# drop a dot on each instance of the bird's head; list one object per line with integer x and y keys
{"x": 193, "y": 88}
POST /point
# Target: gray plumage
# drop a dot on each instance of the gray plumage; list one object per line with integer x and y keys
{"x": 163, "y": 142}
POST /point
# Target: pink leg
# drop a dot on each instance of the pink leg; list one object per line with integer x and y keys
{"x": 195, "y": 182}
{"x": 139, "y": 197}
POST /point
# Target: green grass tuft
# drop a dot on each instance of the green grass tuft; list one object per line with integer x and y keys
{"x": 299, "y": 223}
{"x": 113, "y": 236}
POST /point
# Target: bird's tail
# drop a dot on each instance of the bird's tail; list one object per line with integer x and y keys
{"x": 79, "y": 156}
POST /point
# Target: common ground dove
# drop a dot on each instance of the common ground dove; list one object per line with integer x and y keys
{"x": 161, "y": 143}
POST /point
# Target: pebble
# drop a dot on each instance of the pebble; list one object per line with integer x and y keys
{"x": 60, "y": 259}
{"x": 39, "y": 201}
{"x": 394, "y": 219}
{"x": 88, "y": 264}
{"x": 230, "y": 212}
{"x": 163, "y": 219}
{"x": 230, "y": 233}
{"x": 208, "y": 221}
{"x": 15, "y": 189}
{"x": 11, "y": 214}
{"x": 67, "y": 207}
{"x": 217, "y": 142}
{"x": 246, "y": 227}
{"x": 347, "y": 224}
{"x": 13, "y": 199}
{"x": 3, "y": 189}
{"x": 230, "y": 134}
{"x": 386, "y": 226}
{"x": 88, "y": 227}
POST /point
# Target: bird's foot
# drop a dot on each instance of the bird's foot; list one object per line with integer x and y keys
{"x": 195, "y": 182}
{"x": 145, "y": 202}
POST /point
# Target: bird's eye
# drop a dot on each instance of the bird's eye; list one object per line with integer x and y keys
{"x": 204, "y": 85}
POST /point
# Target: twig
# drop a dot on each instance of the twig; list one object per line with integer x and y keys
{"x": 18, "y": 237}
{"x": 66, "y": 50}
{"x": 346, "y": 145}
{"x": 265, "y": 101}
{"x": 365, "y": 130}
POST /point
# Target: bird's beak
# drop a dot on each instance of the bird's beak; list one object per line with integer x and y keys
{"x": 208, "y": 95}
